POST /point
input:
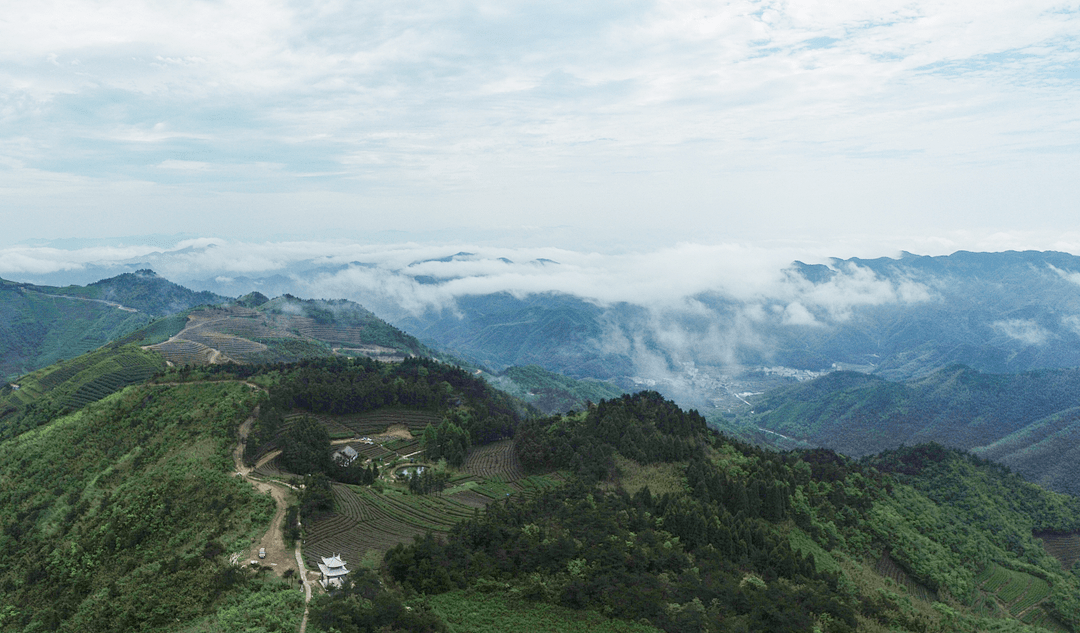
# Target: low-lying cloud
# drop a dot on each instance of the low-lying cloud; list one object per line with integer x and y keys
{"x": 419, "y": 277}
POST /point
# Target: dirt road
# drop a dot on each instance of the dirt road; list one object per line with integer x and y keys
{"x": 278, "y": 556}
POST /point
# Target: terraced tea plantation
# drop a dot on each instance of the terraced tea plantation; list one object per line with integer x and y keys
{"x": 888, "y": 568}
{"x": 75, "y": 383}
{"x": 1064, "y": 547}
{"x": 1018, "y": 593}
{"x": 275, "y": 333}
{"x": 367, "y": 521}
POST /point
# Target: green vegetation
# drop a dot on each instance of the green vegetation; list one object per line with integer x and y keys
{"x": 37, "y": 330}
{"x": 158, "y": 331}
{"x": 339, "y": 322}
{"x": 553, "y": 393}
{"x": 449, "y": 440}
{"x": 142, "y": 290}
{"x": 755, "y": 524}
{"x": 69, "y": 385}
{"x": 487, "y": 610}
{"x": 121, "y": 516}
{"x": 630, "y": 515}
{"x": 40, "y": 325}
{"x": 1026, "y": 421}
{"x": 345, "y": 387}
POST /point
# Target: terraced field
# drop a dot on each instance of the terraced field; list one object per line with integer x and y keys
{"x": 1019, "y": 593}
{"x": 239, "y": 349}
{"x": 181, "y": 352}
{"x": 331, "y": 333}
{"x": 890, "y": 569}
{"x": 335, "y": 429}
{"x": 251, "y": 336}
{"x": 271, "y": 469}
{"x": 497, "y": 459}
{"x": 378, "y": 421}
{"x": 367, "y": 522}
{"x": 1064, "y": 547}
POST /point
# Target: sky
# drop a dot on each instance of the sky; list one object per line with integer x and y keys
{"x": 615, "y": 127}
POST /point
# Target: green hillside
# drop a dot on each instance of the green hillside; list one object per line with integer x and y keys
{"x": 1023, "y": 420}
{"x": 37, "y": 330}
{"x": 628, "y": 515}
{"x": 142, "y": 290}
{"x": 1046, "y": 452}
{"x": 550, "y": 392}
{"x": 43, "y": 395}
{"x": 40, "y": 325}
{"x": 746, "y": 539}
{"x": 121, "y": 517}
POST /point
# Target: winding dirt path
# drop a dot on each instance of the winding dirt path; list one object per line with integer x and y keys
{"x": 278, "y": 557}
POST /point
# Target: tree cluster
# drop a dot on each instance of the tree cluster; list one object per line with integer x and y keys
{"x": 449, "y": 440}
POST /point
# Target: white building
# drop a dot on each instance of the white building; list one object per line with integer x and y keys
{"x": 333, "y": 572}
{"x": 346, "y": 456}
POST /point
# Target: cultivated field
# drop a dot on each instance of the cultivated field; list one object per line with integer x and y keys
{"x": 497, "y": 459}
{"x": 1019, "y": 593}
{"x": 1064, "y": 547}
{"x": 367, "y": 522}
{"x": 181, "y": 352}
{"x": 888, "y": 568}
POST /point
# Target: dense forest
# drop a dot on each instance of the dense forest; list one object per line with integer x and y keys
{"x": 125, "y": 515}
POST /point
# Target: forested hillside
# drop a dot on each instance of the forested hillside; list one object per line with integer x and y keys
{"x": 40, "y": 325}
{"x": 550, "y": 392}
{"x": 628, "y": 515}
{"x": 669, "y": 522}
{"x": 121, "y": 517}
{"x": 1024, "y": 420}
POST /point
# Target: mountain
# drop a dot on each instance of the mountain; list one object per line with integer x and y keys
{"x": 40, "y": 325}
{"x": 144, "y": 511}
{"x": 549, "y": 392}
{"x": 897, "y": 318}
{"x": 559, "y": 332}
{"x": 1025, "y": 420}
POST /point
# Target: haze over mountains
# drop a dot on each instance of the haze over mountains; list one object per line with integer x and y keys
{"x": 701, "y": 325}
{"x": 974, "y": 351}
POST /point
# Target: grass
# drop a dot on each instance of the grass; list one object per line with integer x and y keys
{"x": 660, "y": 478}
{"x": 475, "y": 612}
{"x": 823, "y": 560}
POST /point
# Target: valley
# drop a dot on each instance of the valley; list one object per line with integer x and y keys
{"x": 311, "y": 429}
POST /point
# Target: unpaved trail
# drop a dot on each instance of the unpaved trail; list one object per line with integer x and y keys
{"x": 278, "y": 557}
{"x": 111, "y": 304}
{"x": 216, "y": 355}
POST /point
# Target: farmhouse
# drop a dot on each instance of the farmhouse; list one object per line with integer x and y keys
{"x": 345, "y": 456}
{"x": 333, "y": 572}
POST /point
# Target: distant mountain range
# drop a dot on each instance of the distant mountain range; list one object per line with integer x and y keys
{"x": 1029, "y": 421}
{"x": 896, "y": 318}
{"x": 40, "y": 325}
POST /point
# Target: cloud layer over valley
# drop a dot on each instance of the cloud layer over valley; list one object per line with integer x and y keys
{"x": 691, "y": 319}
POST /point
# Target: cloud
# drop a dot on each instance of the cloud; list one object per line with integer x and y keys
{"x": 687, "y": 120}
{"x": 1026, "y": 331}
{"x": 796, "y": 314}
{"x": 664, "y": 280}
{"x": 1067, "y": 275}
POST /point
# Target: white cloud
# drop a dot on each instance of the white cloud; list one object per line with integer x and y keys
{"x": 1023, "y": 330}
{"x": 1067, "y": 275}
{"x": 686, "y": 120}
{"x": 797, "y": 314}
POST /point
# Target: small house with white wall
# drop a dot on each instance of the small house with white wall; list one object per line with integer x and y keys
{"x": 346, "y": 455}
